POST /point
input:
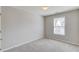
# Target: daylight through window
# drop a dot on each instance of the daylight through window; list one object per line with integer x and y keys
{"x": 59, "y": 26}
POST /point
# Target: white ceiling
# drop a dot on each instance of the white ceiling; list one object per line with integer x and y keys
{"x": 51, "y": 9}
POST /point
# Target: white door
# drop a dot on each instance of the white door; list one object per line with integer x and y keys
{"x": 0, "y": 28}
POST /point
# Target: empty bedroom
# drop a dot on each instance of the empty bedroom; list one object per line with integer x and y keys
{"x": 39, "y": 28}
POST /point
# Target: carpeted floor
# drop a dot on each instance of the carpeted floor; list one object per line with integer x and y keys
{"x": 45, "y": 45}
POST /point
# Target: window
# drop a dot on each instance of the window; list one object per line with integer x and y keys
{"x": 59, "y": 26}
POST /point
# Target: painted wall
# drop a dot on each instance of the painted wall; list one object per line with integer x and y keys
{"x": 19, "y": 26}
{"x": 71, "y": 28}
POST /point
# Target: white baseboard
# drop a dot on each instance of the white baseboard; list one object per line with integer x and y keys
{"x": 18, "y": 45}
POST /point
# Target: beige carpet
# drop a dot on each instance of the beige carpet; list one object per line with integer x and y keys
{"x": 45, "y": 45}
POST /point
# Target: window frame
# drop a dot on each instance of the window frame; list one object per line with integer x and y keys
{"x": 63, "y": 27}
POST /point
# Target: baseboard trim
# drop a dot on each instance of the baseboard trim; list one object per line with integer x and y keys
{"x": 3, "y": 50}
{"x": 66, "y": 42}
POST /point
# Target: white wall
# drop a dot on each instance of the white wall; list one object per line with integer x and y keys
{"x": 71, "y": 27}
{"x": 19, "y": 26}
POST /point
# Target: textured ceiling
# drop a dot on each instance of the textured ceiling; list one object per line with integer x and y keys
{"x": 51, "y": 9}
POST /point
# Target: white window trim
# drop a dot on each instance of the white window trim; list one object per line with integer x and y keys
{"x": 59, "y": 26}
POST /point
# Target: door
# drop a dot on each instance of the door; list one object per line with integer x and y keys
{"x": 0, "y": 29}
